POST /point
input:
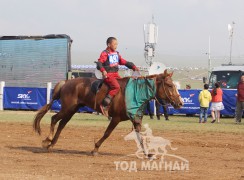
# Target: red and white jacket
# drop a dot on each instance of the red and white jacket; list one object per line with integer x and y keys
{"x": 110, "y": 60}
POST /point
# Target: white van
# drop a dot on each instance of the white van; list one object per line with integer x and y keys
{"x": 226, "y": 75}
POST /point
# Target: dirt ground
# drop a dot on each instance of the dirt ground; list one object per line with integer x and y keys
{"x": 210, "y": 155}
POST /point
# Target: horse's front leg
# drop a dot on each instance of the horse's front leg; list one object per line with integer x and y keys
{"x": 137, "y": 124}
{"x": 113, "y": 123}
{"x": 143, "y": 142}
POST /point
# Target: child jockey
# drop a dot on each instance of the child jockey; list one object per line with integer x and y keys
{"x": 108, "y": 64}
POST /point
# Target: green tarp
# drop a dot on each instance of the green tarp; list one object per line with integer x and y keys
{"x": 137, "y": 93}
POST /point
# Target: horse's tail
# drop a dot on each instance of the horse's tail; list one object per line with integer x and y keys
{"x": 44, "y": 109}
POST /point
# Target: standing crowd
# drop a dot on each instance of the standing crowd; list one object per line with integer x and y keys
{"x": 212, "y": 100}
{"x": 215, "y": 97}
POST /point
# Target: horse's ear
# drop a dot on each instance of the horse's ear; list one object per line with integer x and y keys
{"x": 165, "y": 72}
{"x": 171, "y": 74}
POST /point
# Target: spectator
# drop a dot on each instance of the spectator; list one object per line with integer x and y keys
{"x": 188, "y": 86}
{"x": 204, "y": 99}
{"x": 240, "y": 100}
{"x": 163, "y": 104}
{"x": 217, "y": 105}
{"x": 151, "y": 114}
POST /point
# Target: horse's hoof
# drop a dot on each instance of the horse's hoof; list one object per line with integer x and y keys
{"x": 94, "y": 153}
{"x": 151, "y": 157}
{"x": 49, "y": 149}
{"x": 46, "y": 144}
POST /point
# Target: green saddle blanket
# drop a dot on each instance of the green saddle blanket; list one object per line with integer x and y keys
{"x": 137, "y": 94}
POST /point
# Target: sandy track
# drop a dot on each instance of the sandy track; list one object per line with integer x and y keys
{"x": 210, "y": 156}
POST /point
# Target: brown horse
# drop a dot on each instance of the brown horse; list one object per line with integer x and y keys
{"x": 77, "y": 92}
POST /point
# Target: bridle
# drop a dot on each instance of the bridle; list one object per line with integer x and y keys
{"x": 168, "y": 95}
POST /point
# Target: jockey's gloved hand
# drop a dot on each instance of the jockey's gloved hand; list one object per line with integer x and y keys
{"x": 136, "y": 73}
{"x": 104, "y": 73}
{"x": 136, "y": 69}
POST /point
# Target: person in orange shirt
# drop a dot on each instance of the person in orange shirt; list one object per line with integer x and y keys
{"x": 217, "y": 104}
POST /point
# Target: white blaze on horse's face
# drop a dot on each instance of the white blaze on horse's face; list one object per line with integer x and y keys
{"x": 182, "y": 102}
{"x": 174, "y": 95}
{"x": 169, "y": 91}
{"x": 179, "y": 95}
{"x": 179, "y": 101}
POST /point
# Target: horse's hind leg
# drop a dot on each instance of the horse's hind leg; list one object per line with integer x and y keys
{"x": 113, "y": 123}
{"x": 54, "y": 120}
{"x": 65, "y": 119}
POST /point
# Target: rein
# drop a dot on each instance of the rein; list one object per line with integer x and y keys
{"x": 167, "y": 95}
{"x": 163, "y": 84}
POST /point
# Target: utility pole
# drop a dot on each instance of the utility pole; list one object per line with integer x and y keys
{"x": 209, "y": 59}
{"x": 231, "y": 31}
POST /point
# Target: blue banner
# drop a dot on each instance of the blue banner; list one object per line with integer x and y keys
{"x": 24, "y": 98}
{"x": 191, "y": 103}
{"x": 229, "y": 101}
{"x": 56, "y": 106}
{"x": 192, "y": 106}
{"x": 35, "y": 98}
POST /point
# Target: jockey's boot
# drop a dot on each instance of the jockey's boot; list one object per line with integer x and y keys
{"x": 105, "y": 105}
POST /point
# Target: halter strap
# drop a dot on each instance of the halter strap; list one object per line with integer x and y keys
{"x": 170, "y": 99}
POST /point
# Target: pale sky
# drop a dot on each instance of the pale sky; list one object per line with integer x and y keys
{"x": 184, "y": 27}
